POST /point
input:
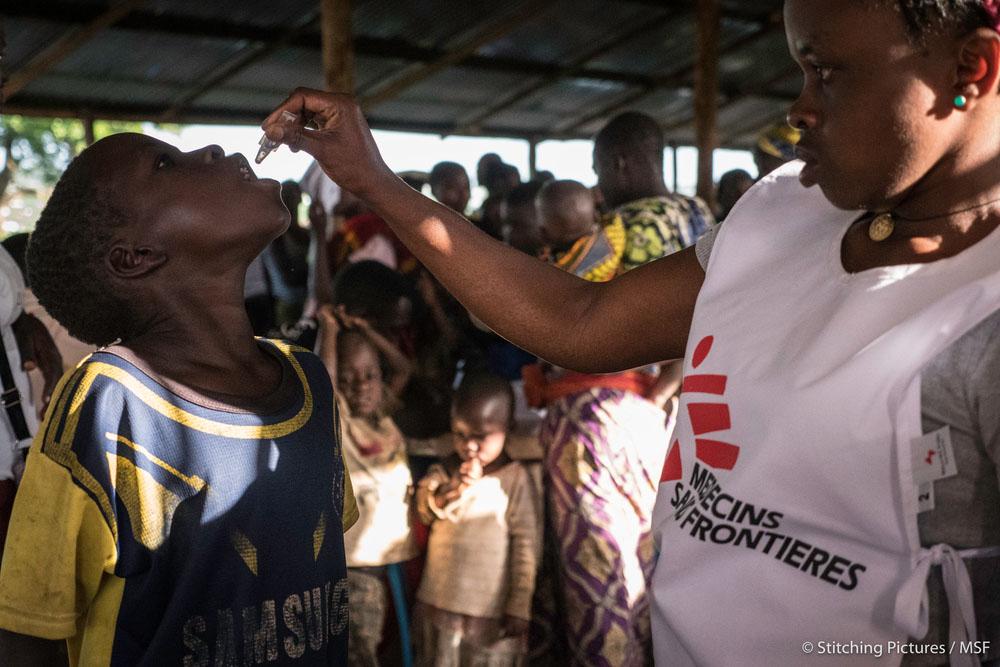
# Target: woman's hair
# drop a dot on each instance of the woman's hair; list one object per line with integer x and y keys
{"x": 926, "y": 17}
{"x": 66, "y": 259}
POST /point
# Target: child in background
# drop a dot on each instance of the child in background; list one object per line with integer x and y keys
{"x": 475, "y": 598}
{"x": 375, "y": 454}
{"x": 183, "y": 501}
{"x": 450, "y": 185}
{"x": 575, "y": 240}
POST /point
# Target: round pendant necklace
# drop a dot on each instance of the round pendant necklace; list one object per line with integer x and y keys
{"x": 883, "y": 225}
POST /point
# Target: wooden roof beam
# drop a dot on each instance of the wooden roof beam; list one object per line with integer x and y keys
{"x": 63, "y": 47}
{"x": 526, "y": 12}
{"x": 239, "y": 61}
{"x": 375, "y": 47}
{"x": 731, "y": 97}
{"x": 472, "y": 122}
{"x": 671, "y": 80}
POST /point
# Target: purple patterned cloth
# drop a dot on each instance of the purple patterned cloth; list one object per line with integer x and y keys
{"x": 604, "y": 449}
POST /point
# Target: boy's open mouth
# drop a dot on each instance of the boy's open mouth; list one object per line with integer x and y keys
{"x": 245, "y": 171}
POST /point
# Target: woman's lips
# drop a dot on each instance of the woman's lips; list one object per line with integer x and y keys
{"x": 809, "y": 173}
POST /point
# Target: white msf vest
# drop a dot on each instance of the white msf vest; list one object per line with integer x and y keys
{"x": 787, "y": 509}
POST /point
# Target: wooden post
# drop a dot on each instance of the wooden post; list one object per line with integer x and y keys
{"x": 673, "y": 163}
{"x": 88, "y": 128}
{"x": 532, "y": 158}
{"x": 706, "y": 91}
{"x": 338, "y": 46}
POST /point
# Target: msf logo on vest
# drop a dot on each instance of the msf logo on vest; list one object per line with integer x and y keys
{"x": 703, "y": 509}
{"x": 707, "y": 419}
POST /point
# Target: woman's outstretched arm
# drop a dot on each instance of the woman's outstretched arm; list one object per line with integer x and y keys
{"x": 639, "y": 318}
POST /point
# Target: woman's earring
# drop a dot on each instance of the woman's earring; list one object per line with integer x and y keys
{"x": 961, "y": 101}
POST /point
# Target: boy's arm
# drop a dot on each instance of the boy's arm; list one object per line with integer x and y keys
{"x": 24, "y": 651}
{"x": 59, "y": 550}
{"x": 640, "y": 318}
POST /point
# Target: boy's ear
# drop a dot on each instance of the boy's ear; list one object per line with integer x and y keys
{"x": 128, "y": 261}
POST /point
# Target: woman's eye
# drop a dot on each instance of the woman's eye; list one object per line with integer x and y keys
{"x": 162, "y": 161}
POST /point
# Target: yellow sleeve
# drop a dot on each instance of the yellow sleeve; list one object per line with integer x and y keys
{"x": 58, "y": 549}
{"x": 351, "y": 513}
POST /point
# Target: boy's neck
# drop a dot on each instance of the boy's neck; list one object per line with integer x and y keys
{"x": 209, "y": 347}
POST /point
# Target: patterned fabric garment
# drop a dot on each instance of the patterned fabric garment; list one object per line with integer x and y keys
{"x": 597, "y": 257}
{"x": 603, "y": 448}
{"x": 153, "y": 528}
{"x": 659, "y": 226}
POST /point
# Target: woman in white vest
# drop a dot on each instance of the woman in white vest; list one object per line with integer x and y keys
{"x": 832, "y": 487}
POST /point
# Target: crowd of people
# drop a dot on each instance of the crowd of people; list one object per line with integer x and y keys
{"x": 596, "y": 426}
{"x": 503, "y": 504}
{"x": 534, "y": 549}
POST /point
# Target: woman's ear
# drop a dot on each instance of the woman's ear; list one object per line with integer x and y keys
{"x": 127, "y": 261}
{"x": 978, "y": 72}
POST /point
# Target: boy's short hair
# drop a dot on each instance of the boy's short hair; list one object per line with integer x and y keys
{"x": 479, "y": 384}
{"x": 66, "y": 259}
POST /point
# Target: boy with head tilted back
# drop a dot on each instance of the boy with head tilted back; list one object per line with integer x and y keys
{"x": 184, "y": 500}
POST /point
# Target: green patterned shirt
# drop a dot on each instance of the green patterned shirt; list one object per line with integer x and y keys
{"x": 659, "y": 226}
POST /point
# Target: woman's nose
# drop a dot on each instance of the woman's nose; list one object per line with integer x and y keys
{"x": 803, "y": 115}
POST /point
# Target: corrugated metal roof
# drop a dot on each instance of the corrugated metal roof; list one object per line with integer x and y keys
{"x": 560, "y": 68}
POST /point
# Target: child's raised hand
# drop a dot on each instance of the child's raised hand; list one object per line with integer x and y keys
{"x": 471, "y": 471}
{"x": 448, "y": 493}
{"x": 341, "y": 142}
{"x": 352, "y": 321}
{"x": 328, "y": 319}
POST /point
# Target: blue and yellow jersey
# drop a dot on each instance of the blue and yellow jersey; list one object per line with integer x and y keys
{"x": 152, "y": 529}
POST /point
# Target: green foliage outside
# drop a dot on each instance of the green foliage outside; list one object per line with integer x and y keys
{"x": 35, "y": 152}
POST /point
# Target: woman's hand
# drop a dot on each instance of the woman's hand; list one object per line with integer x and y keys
{"x": 333, "y": 130}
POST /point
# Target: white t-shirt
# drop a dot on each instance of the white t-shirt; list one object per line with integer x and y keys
{"x": 11, "y": 295}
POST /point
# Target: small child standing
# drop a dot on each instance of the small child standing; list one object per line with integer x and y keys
{"x": 475, "y": 598}
{"x": 375, "y": 454}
